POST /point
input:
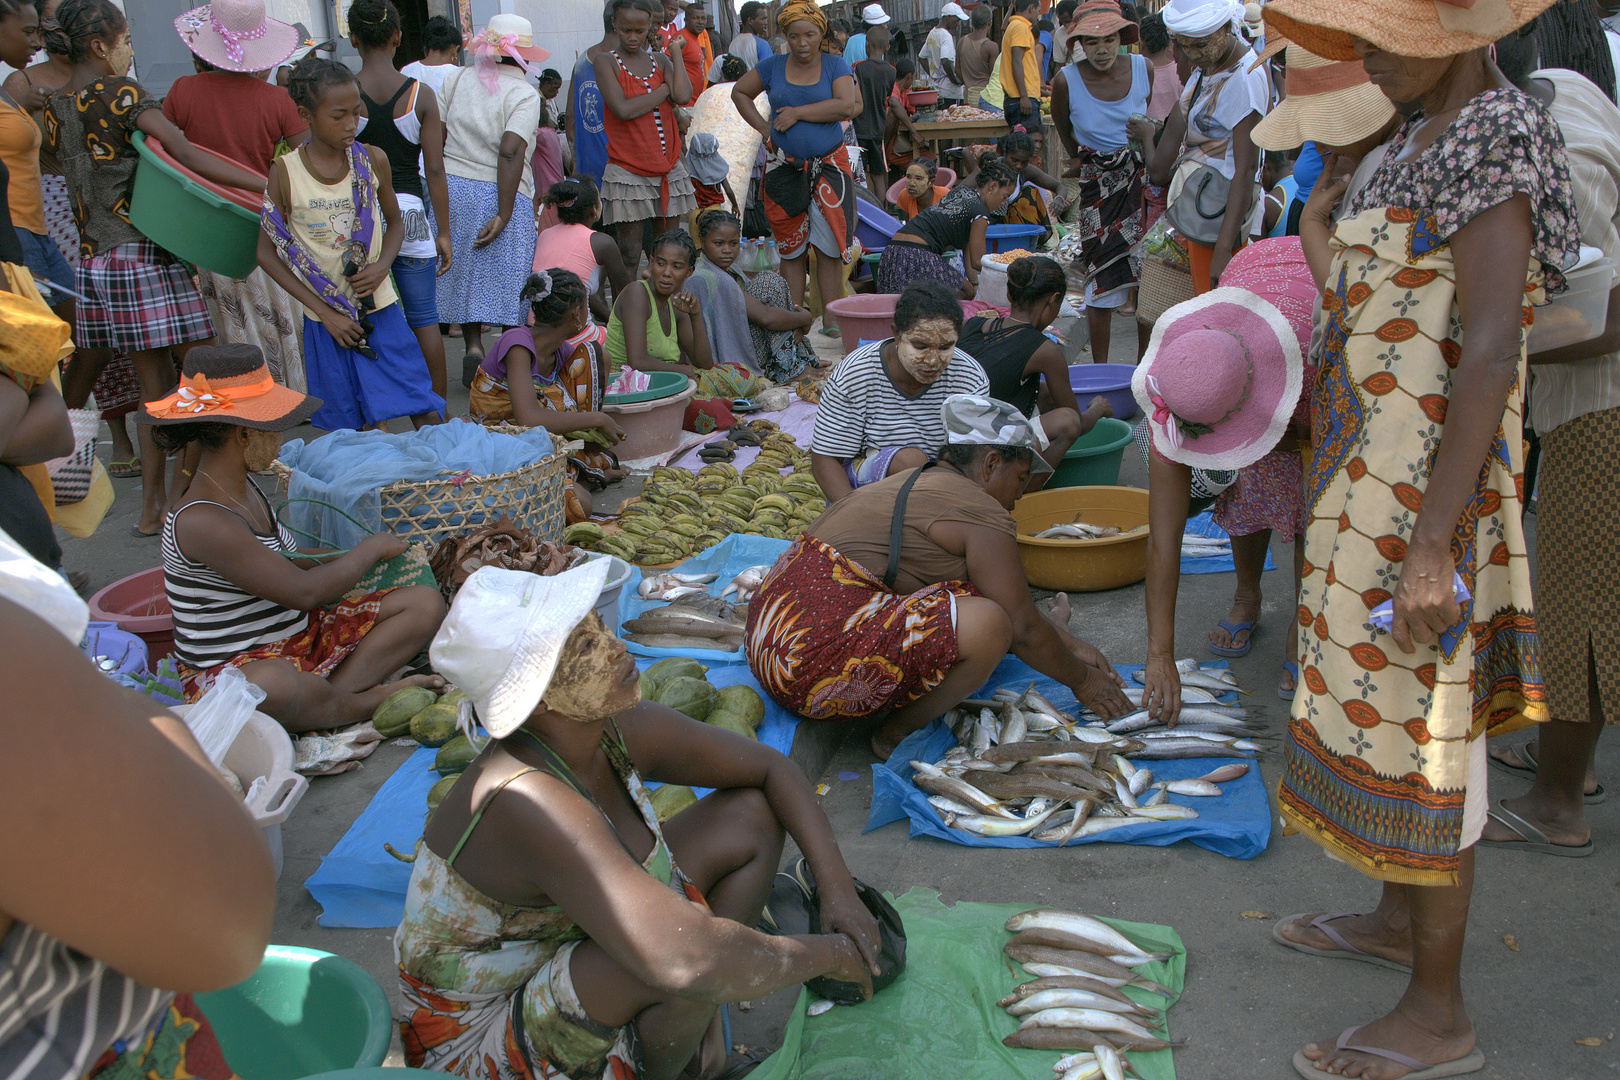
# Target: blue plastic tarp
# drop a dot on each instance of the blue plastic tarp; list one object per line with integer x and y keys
{"x": 359, "y": 884}
{"x": 1236, "y": 824}
{"x": 728, "y": 558}
{"x": 1204, "y": 525}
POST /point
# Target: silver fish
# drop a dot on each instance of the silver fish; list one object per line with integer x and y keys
{"x": 995, "y": 826}
{"x": 1037, "y": 807}
{"x": 1191, "y": 787}
{"x": 1063, "y": 834}
{"x": 1133, "y": 721}
{"x": 1016, "y": 727}
{"x": 1108, "y": 1060}
{"x": 936, "y": 781}
{"x": 1079, "y": 925}
{"x": 984, "y": 734}
{"x": 1140, "y": 781}
{"x": 1225, "y": 773}
{"x": 1157, "y": 798}
{"x": 1089, "y": 1070}
{"x": 1073, "y": 999}
{"x": 1122, "y": 792}
{"x": 1166, "y": 812}
{"x": 1090, "y": 1019}
{"x": 1034, "y": 698}
{"x": 1164, "y": 750}
{"x": 950, "y": 806}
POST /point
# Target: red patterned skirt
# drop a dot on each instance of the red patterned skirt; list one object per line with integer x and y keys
{"x": 331, "y": 634}
{"x": 827, "y": 641}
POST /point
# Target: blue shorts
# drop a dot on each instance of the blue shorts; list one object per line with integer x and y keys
{"x": 356, "y": 391}
{"x": 44, "y": 261}
{"x": 414, "y": 281}
{"x": 875, "y": 466}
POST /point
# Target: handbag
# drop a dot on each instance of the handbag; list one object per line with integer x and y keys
{"x": 71, "y": 475}
{"x": 1198, "y": 192}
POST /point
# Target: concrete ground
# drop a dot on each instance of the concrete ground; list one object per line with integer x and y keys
{"x": 1534, "y": 990}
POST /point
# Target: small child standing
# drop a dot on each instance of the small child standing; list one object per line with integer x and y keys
{"x": 709, "y": 171}
{"x": 320, "y": 242}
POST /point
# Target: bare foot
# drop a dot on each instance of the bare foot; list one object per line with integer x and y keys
{"x": 1369, "y": 933}
{"x": 1527, "y": 759}
{"x": 1561, "y": 827}
{"x": 1057, "y": 610}
{"x": 1244, "y": 610}
{"x": 1431, "y": 1037}
{"x": 882, "y": 747}
{"x": 366, "y": 702}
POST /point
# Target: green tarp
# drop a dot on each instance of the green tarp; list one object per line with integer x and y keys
{"x": 940, "y": 1018}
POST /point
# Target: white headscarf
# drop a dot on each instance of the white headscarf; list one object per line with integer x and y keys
{"x": 1195, "y": 18}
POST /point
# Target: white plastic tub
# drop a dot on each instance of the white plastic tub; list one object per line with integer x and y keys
{"x": 1582, "y": 312}
{"x": 607, "y": 602}
{"x": 265, "y": 749}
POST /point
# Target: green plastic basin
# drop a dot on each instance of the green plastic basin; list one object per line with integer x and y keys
{"x": 664, "y": 384}
{"x": 304, "y": 1012}
{"x": 1095, "y": 457}
{"x": 191, "y": 218}
{"x": 381, "y": 1072}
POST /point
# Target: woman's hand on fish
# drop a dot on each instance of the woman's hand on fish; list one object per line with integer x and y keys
{"x": 843, "y": 913}
{"x": 1424, "y": 602}
{"x": 1162, "y": 694}
{"x": 1101, "y": 695}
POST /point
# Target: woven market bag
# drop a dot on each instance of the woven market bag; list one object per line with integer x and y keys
{"x": 71, "y": 475}
{"x": 1163, "y": 285}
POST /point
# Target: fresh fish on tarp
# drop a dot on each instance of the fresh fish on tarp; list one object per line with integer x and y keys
{"x": 1062, "y": 939}
{"x": 995, "y": 826}
{"x": 1023, "y": 786}
{"x": 1079, "y": 926}
{"x": 685, "y": 641}
{"x": 746, "y": 582}
{"x": 1198, "y": 788}
{"x": 695, "y": 625}
{"x": 1068, "y": 982}
{"x": 1164, "y": 750}
{"x": 1047, "y": 969}
{"x": 669, "y": 585}
{"x": 1060, "y": 1038}
{"x": 935, "y": 781}
{"x": 1090, "y": 1020}
{"x": 1225, "y": 773}
{"x": 1075, "y": 999}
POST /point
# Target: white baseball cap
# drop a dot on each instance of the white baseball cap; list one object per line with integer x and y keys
{"x": 504, "y": 633}
{"x": 954, "y": 10}
{"x": 874, "y": 15}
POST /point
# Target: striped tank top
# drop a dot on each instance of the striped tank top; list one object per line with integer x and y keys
{"x": 60, "y": 1010}
{"x": 214, "y": 619}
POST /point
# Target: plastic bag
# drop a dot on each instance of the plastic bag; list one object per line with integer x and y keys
{"x": 221, "y": 714}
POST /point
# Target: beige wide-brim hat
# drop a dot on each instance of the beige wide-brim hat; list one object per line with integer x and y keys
{"x": 1331, "y": 102}
{"x": 504, "y": 634}
{"x": 1416, "y": 28}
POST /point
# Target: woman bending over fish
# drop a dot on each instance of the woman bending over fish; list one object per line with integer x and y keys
{"x": 552, "y": 926}
{"x": 903, "y": 596}
{"x": 1223, "y": 387}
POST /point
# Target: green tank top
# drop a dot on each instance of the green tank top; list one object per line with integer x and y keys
{"x": 660, "y": 346}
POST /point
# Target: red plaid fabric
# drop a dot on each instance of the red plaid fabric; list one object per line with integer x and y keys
{"x": 140, "y": 297}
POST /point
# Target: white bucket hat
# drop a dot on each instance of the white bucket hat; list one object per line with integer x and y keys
{"x": 504, "y": 633}
{"x": 874, "y": 15}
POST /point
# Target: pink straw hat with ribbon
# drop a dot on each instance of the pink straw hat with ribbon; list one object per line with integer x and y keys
{"x": 506, "y": 36}
{"x": 235, "y": 35}
{"x": 1223, "y": 372}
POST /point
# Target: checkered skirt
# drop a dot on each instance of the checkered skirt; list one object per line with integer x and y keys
{"x": 140, "y": 297}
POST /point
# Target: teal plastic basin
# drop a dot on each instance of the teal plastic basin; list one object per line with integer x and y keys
{"x": 190, "y": 217}
{"x": 303, "y": 1013}
{"x": 664, "y": 383}
{"x": 1095, "y": 457}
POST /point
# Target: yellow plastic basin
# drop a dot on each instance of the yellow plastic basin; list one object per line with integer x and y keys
{"x": 1083, "y": 565}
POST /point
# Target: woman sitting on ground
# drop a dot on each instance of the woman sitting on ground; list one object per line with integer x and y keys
{"x": 244, "y": 594}
{"x": 956, "y": 222}
{"x": 1027, "y": 369}
{"x": 753, "y": 320}
{"x": 659, "y": 326}
{"x": 546, "y": 376}
{"x": 552, "y": 926}
{"x": 846, "y": 626}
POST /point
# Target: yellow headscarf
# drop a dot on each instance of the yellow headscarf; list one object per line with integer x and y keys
{"x": 808, "y": 11}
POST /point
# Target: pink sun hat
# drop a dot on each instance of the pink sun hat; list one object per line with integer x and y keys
{"x": 235, "y": 35}
{"x": 1223, "y": 372}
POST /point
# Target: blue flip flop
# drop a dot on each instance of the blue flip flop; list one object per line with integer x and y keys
{"x": 1234, "y": 629}
{"x": 1292, "y": 669}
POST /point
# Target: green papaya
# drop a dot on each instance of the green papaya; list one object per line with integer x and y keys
{"x": 674, "y": 666}
{"x": 393, "y": 717}
{"x": 454, "y": 756}
{"x": 452, "y": 696}
{"x": 732, "y": 722}
{"x": 434, "y": 725}
{"x": 671, "y": 799}
{"x": 439, "y": 790}
{"x": 742, "y": 700}
{"x": 694, "y": 697}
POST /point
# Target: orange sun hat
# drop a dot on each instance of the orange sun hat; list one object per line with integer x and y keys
{"x": 230, "y": 384}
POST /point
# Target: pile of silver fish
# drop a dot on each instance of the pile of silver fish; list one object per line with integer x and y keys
{"x": 692, "y": 618}
{"x": 1075, "y": 1000}
{"x": 1197, "y": 546}
{"x": 1024, "y": 767}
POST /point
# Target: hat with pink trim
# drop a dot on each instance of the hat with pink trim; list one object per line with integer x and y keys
{"x": 235, "y": 35}
{"x": 1220, "y": 379}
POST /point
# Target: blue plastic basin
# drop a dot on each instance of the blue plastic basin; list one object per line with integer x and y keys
{"x": 1008, "y": 237}
{"x": 1112, "y": 381}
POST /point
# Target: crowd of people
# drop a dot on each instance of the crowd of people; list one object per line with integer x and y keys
{"x": 1372, "y": 203}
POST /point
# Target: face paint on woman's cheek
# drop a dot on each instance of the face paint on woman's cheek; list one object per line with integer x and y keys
{"x": 262, "y": 451}
{"x": 587, "y": 684}
{"x": 924, "y": 365}
{"x": 120, "y": 58}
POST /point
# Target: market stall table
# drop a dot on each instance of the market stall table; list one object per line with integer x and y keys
{"x": 964, "y": 132}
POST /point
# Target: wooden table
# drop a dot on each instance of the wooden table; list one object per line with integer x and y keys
{"x": 936, "y": 132}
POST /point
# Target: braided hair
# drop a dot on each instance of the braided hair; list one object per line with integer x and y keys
{"x": 716, "y": 218}
{"x": 732, "y": 68}
{"x": 552, "y": 294}
{"x": 575, "y": 199}
{"x": 311, "y": 77}
{"x": 373, "y": 22}
{"x": 993, "y": 170}
{"x": 678, "y": 238}
{"x": 1570, "y": 36}
{"x": 79, "y": 22}
{"x": 1015, "y": 142}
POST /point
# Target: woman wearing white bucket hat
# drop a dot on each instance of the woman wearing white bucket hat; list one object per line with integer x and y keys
{"x": 574, "y": 934}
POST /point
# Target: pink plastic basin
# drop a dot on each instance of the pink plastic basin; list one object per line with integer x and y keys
{"x": 870, "y": 316}
{"x": 651, "y": 427}
{"x": 943, "y": 177}
{"x": 139, "y": 605}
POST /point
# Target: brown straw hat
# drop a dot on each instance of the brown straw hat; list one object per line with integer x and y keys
{"x": 1329, "y": 101}
{"x": 1099, "y": 18}
{"x": 1417, "y": 28}
{"x": 229, "y": 384}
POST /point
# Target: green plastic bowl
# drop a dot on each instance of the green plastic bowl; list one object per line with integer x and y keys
{"x": 664, "y": 384}
{"x": 1095, "y": 457}
{"x": 195, "y": 222}
{"x": 304, "y": 1012}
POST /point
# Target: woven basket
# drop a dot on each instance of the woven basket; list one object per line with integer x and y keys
{"x": 533, "y": 497}
{"x": 1162, "y": 286}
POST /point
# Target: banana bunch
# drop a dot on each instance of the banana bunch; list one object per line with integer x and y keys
{"x": 679, "y": 512}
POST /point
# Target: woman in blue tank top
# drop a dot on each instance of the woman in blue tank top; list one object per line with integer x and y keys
{"x": 1092, "y": 103}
